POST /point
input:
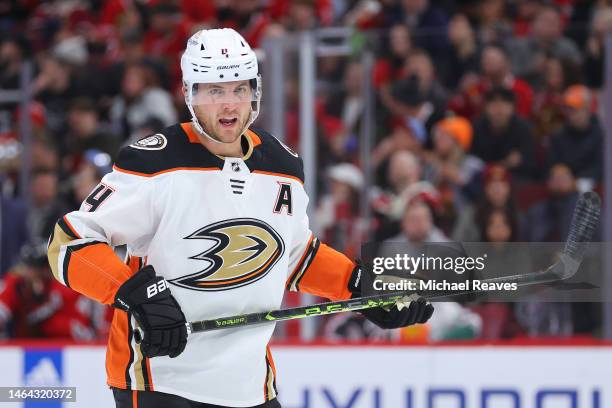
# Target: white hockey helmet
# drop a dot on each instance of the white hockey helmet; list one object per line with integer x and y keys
{"x": 219, "y": 55}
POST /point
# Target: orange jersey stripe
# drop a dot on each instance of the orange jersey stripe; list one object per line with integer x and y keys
{"x": 328, "y": 274}
{"x": 254, "y": 138}
{"x": 193, "y": 137}
{"x": 136, "y": 173}
{"x": 271, "y": 360}
{"x": 149, "y": 378}
{"x": 118, "y": 352}
{"x": 299, "y": 264}
{"x": 95, "y": 271}
{"x": 270, "y": 173}
{"x": 191, "y": 134}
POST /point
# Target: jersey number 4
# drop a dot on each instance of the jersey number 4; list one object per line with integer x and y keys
{"x": 97, "y": 197}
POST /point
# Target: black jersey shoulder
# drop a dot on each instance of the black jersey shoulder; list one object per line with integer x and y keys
{"x": 169, "y": 149}
{"x": 275, "y": 157}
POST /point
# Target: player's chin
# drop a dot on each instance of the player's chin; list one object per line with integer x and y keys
{"x": 228, "y": 134}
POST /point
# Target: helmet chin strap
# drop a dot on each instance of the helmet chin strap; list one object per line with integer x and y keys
{"x": 200, "y": 130}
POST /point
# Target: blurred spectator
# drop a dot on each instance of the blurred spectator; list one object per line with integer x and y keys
{"x": 549, "y": 221}
{"x": 13, "y": 230}
{"x": 427, "y": 22}
{"x": 55, "y": 86}
{"x": 417, "y": 101}
{"x": 500, "y": 136}
{"x": 404, "y": 176}
{"x": 121, "y": 14}
{"x": 84, "y": 132}
{"x": 249, "y": 17}
{"x": 337, "y": 217}
{"x": 401, "y": 138}
{"x": 94, "y": 166}
{"x": 365, "y": 14}
{"x": 407, "y": 107}
{"x": 141, "y": 99}
{"x": 391, "y": 65}
{"x": 528, "y": 54}
{"x": 420, "y": 66}
{"x": 497, "y": 196}
{"x": 347, "y": 104}
{"x": 45, "y": 205}
{"x": 499, "y": 226}
{"x": 34, "y": 304}
{"x": 133, "y": 52}
{"x": 548, "y": 99}
{"x": 495, "y": 73}
{"x": 494, "y": 26}
{"x": 526, "y": 11}
{"x": 45, "y": 154}
{"x": 168, "y": 32}
{"x": 593, "y": 67}
{"x": 165, "y": 38}
{"x": 418, "y": 225}
{"x": 449, "y": 168}
{"x": 301, "y": 15}
{"x": 579, "y": 143}
{"x": 463, "y": 54}
{"x": 13, "y": 52}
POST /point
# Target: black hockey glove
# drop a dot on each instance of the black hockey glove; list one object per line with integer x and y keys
{"x": 401, "y": 314}
{"x": 158, "y": 314}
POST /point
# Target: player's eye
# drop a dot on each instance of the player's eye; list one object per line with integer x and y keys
{"x": 241, "y": 92}
{"x": 215, "y": 92}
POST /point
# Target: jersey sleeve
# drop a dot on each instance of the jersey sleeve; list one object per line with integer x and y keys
{"x": 119, "y": 211}
{"x": 315, "y": 267}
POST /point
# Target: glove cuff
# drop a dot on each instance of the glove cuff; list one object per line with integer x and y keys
{"x": 354, "y": 283}
{"x": 134, "y": 290}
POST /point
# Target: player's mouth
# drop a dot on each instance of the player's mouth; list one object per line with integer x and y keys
{"x": 228, "y": 122}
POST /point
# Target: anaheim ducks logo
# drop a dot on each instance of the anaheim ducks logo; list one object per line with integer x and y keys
{"x": 244, "y": 251}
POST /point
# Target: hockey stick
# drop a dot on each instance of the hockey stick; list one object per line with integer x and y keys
{"x": 584, "y": 222}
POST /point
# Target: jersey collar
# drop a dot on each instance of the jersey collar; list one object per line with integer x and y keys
{"x": 251, "y": 137}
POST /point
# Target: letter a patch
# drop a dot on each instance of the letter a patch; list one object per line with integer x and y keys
{"x": 283, "y": 199}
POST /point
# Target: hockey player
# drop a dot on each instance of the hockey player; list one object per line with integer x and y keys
{"x": 213, "y": 213}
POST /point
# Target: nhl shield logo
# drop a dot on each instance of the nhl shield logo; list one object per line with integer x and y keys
{"x": 155, "y": 142}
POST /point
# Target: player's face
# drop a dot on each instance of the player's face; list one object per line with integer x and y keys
{"x": 223, "y": 109}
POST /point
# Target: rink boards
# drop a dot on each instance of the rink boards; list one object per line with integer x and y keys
{"x": 323, "y": 376}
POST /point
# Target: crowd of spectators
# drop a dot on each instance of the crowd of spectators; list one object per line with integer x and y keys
{"x": 488, "y": 119}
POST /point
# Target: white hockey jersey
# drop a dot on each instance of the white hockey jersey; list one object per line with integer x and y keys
{"x": 229, "y": 235}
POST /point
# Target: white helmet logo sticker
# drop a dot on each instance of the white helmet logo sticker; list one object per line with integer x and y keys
{"x": 155, "y": 142}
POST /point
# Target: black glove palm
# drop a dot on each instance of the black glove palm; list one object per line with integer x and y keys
{"x": 419, "y": 310}
{"x": 158, "y": 314}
